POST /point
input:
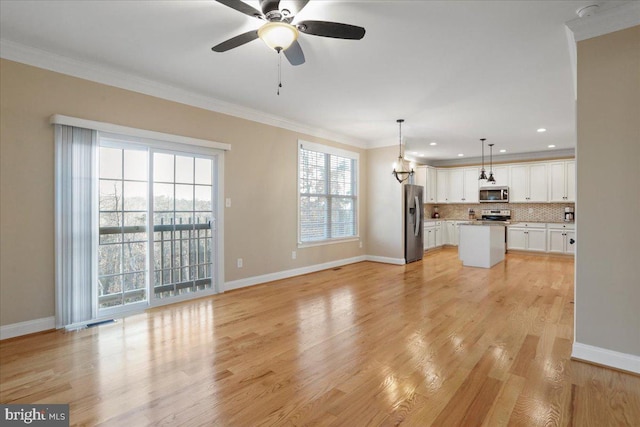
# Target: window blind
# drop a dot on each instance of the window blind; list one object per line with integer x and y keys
{"x": 327, "y": 191}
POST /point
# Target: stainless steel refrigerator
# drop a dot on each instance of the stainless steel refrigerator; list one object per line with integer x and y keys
{"x": 413, "y": 212}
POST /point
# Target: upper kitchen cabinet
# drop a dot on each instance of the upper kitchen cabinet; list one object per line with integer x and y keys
{"x": 426, "y": 176}
{"x": 528, "y": 183}
{"x": 431, "y": 193}
{"x": 442, "y": 185}
{"x": 501, "y": 175}
{"x": 463, "y": 185}
{"x": 562, "y": 181}
{"x": 471, "y": 185}
{"x": 455, "y": 188}
{"x": 420, "y": 176}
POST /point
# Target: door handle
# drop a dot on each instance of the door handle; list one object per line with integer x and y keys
{"x": 418, "y": 218}
{"x": 572, "y": 241}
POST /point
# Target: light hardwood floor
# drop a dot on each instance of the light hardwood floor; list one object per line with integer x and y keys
{"x": 429, "y": 343}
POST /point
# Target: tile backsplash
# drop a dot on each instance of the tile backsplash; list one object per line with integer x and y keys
{"x": 538, "y": 212}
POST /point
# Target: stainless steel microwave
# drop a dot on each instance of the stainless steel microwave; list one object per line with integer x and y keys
{"x": 494, "y": 194}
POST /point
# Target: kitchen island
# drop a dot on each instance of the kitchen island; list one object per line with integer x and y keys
{"x": 481, "y": 244}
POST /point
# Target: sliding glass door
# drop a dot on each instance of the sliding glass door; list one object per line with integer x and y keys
{"x": 183, "y": 224}
{"x": 157, "y": 226}
{"x": 123, "y": 238}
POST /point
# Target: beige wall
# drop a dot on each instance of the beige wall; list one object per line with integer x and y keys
{"x": 385, "y": 225}
{"x": 260, "y": 178}
{"x": 608, "y": 173}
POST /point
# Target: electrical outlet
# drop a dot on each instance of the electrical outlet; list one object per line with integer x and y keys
{"x": 530, "y": 210}
{"x": 360, "y": 244}
{"x": 240, "y": 262}
{"x": 293, "y": 255}
{"x": 227, "y": 202}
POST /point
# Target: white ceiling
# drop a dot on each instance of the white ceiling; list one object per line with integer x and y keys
{"x": 456, "y": 71}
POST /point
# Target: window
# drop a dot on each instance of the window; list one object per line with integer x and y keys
{"x": 327, "y": 191}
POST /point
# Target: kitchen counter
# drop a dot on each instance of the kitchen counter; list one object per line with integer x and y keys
{"x": 489, "y": 223}
{"x": 542, "y": 223}
{"x": 481, "y": 245}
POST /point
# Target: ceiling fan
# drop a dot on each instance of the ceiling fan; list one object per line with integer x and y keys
{"x": 280, "y": 33}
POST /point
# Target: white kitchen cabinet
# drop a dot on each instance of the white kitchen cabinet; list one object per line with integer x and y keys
{"x": 538, "y": 182}
{"x": 501, "y": 175}
{"x": 471, "y": 185}
{"x": 451, "y": 232}
{"x": 528, "y": 183}
{"x": 455, "y": 188}
{"x": 438, "y": 234}
{"x": 537, "y": 240}
{"x": 432, "y": 233}
{"x": 442, "y": 185}
{"x": 562, "y": 181}
{"x": 429, "y": 238}
{"x": 517, "y": 238}
{"x": 527, "y": 237}
{"x": 420, "y": 176}
{"x": 559, "y": 237}
{"x": 431, "y": 189}
{"x": 463, "y": 185}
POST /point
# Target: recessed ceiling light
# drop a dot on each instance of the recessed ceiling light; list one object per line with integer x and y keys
{"x": 433, "y": 143}
{"x": 503, "y": 151}
{"x": 414, "y": 152}
{"x": 542, "y": 130}
{"x": 551, "y": 146}
{"x": 460, "y": 155}
{"x": 421, "y": 154}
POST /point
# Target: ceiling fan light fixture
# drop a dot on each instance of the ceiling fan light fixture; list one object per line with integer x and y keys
{"x": 278, "y": 35}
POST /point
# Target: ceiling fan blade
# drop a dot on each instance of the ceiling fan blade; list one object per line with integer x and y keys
{"x": 236, "y": 41}
{"x": 331, "y": 29}
{"x": 241, "y": 6}
{"x": 294, "y": 54}
{"x": 269, "y": 5}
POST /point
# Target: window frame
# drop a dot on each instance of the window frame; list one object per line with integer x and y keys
{"x": 331, "y": 151}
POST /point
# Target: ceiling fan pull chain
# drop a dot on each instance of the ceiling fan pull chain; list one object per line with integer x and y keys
{"x": 279, "y": 70}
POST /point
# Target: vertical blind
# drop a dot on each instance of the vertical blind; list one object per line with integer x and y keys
{"x": 75, "y": 150}
{"x": 327, "y": 191}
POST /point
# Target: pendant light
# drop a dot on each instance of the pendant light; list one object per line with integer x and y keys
{"x": 483, "y": 175}
{"x": 401, "y": 170}
{"x": 491, "y": 178}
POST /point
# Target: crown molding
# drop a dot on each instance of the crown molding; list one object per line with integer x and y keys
{"x": 505, "y": 158}
{"x": 606, "y": 21}
{"x": 96, "y": 73}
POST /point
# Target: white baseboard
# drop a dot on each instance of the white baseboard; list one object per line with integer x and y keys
{"x": 256, "y": 280}
{"x": 28, "y": 327}
{"x": 602, "y": 356}
{"x": 386, "y": 260}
